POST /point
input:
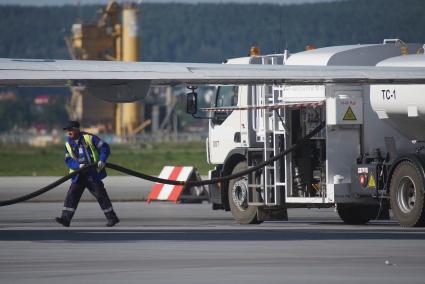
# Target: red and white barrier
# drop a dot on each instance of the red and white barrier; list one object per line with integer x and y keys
{"x": 168, "y": 192}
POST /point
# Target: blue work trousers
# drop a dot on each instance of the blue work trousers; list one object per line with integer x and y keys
{"x": 96, "y": 188}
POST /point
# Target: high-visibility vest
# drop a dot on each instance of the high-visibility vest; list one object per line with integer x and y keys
{"x": 93, "y": 149}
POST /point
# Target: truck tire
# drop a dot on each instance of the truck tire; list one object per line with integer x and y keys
{"x": 407, "y": 195}
{"x": 238, "y": 198}
{"x": 357, "y": 214}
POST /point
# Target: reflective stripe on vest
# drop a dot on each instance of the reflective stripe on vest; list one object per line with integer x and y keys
{"x": 69, "y": 149}
{"x": 93, "y": 149}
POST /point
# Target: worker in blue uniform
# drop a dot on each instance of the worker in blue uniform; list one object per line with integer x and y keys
{"x": 82, "y": 149}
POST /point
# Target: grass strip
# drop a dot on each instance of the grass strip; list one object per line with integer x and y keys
{"x": 19, "y": 160}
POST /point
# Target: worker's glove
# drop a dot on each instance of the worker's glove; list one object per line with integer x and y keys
{"x": 81, "y": 165}
{"x": 100, "y": 165}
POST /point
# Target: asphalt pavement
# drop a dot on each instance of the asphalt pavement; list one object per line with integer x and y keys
{"x": 176, "y": 243}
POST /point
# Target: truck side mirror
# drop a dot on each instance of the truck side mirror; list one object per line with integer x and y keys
{"x": 192, "y": 103}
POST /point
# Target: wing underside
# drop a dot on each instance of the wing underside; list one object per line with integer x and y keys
{"x": 123, "y": 76}
{"x": 64, "y": 72}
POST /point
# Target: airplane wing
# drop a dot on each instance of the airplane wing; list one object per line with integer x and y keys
{"x": 130, "y": 81}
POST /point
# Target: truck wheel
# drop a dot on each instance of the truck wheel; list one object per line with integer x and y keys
{"x": 357, "y": 214}
{"x": 407, "y": 195}
{"x": 238, "y": 198}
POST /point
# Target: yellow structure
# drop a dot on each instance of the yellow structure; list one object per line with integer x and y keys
{"x": 107, "y": 39}
{"x": 129, "y": 115}
{"x": 97, "y": 41}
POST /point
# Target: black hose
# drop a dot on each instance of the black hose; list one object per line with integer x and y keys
{"x": 220, "y": 179}
{"x": 165, "y": 181}
{"x": 144, "y": 176}
{"x": 44, "y": 189}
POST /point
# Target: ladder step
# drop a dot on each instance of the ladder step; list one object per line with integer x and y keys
{"x": 256, "y": 203}
{"x": 280, "y": 183}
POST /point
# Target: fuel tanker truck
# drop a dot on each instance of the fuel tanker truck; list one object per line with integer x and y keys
{"x": 367, "y": 157}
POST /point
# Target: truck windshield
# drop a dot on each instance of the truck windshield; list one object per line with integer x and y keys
{"x": 227, "y": 96}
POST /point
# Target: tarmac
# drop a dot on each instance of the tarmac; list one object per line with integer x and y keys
{"x": 191, "y": 243}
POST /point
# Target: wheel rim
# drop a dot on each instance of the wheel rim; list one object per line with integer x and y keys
{"x": 240, "y": 194}
{"x": 406, "y": 194}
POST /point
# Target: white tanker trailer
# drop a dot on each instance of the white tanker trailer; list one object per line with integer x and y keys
{"x": 369, "y": 157}
{"x": 403, "y": 108}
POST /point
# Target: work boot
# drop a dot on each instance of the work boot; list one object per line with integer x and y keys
{"x": 112, "y": 222}
{"x": 63, "y": 221}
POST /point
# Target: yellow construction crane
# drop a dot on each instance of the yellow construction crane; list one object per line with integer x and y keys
{"x": 113, "y": 37}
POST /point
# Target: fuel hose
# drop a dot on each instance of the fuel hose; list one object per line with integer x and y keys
{"x": 166, "y": 181}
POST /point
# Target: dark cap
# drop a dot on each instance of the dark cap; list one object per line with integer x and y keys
{"x": 72, "y": 125}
